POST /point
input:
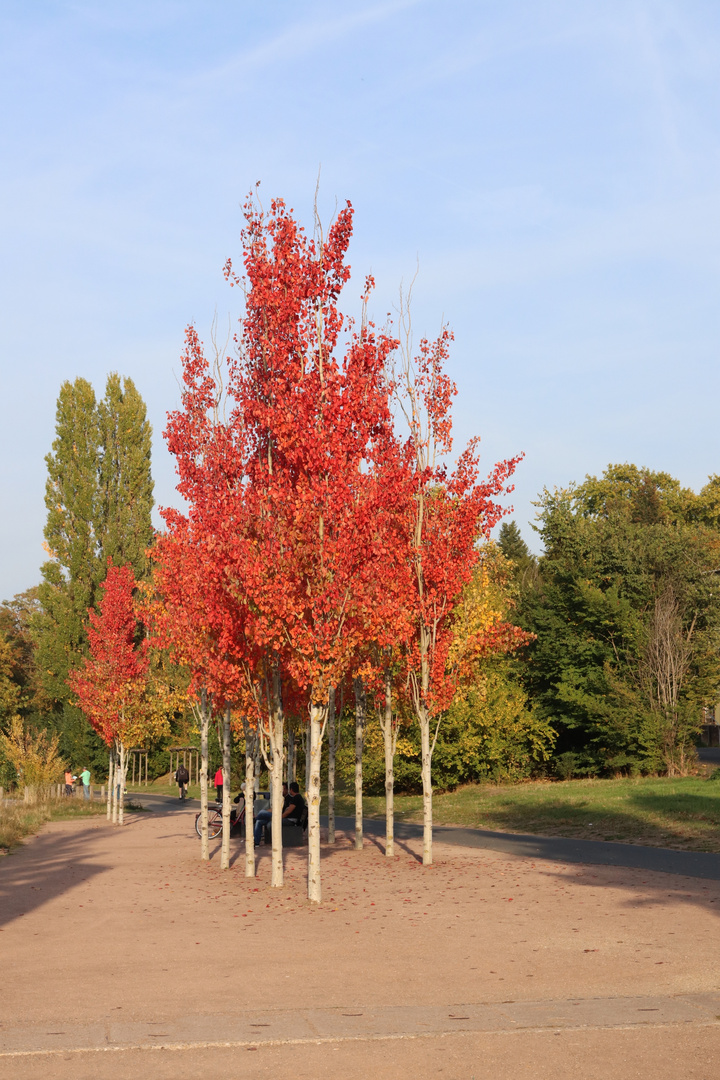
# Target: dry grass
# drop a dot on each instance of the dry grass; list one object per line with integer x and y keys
{"x": 18, "y": 820}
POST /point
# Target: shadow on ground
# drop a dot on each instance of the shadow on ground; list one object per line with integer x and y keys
{"x": 50, "y": 866}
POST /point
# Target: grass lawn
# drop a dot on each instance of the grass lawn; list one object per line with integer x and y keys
{"x": 18, "y": 820}
{"x": 660, "y": 812}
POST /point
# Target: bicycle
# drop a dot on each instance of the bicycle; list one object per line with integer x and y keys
{"x": 215, "y": 821}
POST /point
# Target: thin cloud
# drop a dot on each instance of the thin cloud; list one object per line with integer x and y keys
{"x": 298, "y": 40}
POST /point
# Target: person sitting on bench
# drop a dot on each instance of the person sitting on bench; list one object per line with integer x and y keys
{"x": 294, "y": 806}
{"x": 293, "y": 809}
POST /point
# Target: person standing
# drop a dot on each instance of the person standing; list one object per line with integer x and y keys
{"x": 69, "y": 782}
{"x": 219, "y": 785}
{"x": 182, "y": 777}
{"x": 85, "y": 780}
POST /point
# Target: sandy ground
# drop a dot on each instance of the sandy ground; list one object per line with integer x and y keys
{"x": 99, "y": 924}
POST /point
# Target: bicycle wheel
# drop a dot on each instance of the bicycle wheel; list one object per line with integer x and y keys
{"x": 214, "y": 824}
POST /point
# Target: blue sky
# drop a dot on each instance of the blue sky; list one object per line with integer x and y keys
{"x": 552, "y": 168}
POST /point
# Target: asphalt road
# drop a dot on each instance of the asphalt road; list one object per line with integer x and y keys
{"x": 558, "y": 849}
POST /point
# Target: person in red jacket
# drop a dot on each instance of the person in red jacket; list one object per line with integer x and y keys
{"x": 219, "y": 784}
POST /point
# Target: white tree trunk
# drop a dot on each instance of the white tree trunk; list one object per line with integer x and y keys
{"x": 332, "y": 748}
{"x": 257, "y": 760}
{"x": 204, "y": 727}
{"x": 249, "y": 800}
{"x": 390, "y": 744}
{"x": 290, "y": 757}
{"x": 306, "y": 745}
{"x": 121, "y": 793}
{"x": 226, "y": 766}
{"x": 111, "y": 763}
{"x": 360, "y": 706}
{"x": 426, "y": 762}
{"x": 318, "y": 717}
{"x": 277, "y": 747}
{"x": 116, "y": 773}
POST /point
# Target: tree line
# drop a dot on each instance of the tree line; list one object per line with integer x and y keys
{"x": 624, "y": 609}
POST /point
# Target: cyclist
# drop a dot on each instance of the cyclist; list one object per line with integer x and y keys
{"x": 181, "y": 779}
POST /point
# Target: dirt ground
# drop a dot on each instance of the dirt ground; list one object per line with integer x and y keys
{"x": 102, "y": 926}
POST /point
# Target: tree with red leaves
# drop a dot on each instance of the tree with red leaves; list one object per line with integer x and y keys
{"x": 323, "y": 538}
{"x": 450, "y": 510}
{"x": 198, "y": 614}
{"x": 111, "y": 685}
{"x": 316, "y": 427}
{"x": 196, "y": 618}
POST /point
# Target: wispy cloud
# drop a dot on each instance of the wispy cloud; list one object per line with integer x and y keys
{"x": 298, "y": 40}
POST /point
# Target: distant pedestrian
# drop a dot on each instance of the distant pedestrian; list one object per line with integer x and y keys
{"x": 85, "y": 780}
{"x": 69, "y": 782}
{"x": 182, "y": 777}
{"x": 219, "y": 785}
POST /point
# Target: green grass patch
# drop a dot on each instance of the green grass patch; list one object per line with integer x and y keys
{"x": 162, "y": 787}
{"x": 681, "y": 813}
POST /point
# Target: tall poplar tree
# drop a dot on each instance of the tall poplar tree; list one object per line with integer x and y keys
{"x": 125, "y": 502}
{"x": 99, "y": 501}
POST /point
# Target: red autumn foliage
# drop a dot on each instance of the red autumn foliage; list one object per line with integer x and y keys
{"x": 310, "y": 555}
{"x": 313, "y": 532}
{"x": 111, "y": 683}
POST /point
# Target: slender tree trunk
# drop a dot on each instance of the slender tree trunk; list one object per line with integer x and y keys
{"x": 427, "y": 746}
{"x": 426, "y": 762}
{"x": 318, "y": 717}
{"x": 121, "y": 793}
{"x": 306, "y": 744}
{"x": 226, "y": 766}
{"x": 258, "y": 759}
{"x": 204, "y": 727}
{"x": 390, "y": 742}
{"x": 249, "y": 800}
{"x": 291, "y": 757}
{"x": 277, "y": 746}
{"x": 360, "y": 707}
{"x": 116, "y": 771}
{"x": 111, "y": 764}
{"x": 331, "y": 766}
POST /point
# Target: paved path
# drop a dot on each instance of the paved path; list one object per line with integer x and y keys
{"x": 296, "y": 1026}
{"x": 557, "y": 849}
{"x": 553, "y": 848}
{"x": 124, "y": 956}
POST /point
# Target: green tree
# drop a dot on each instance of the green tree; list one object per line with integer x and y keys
{"x": 626, "y": 612}
{"x": 125, "y": 497}
{"x": 517, "y": 552}
{"x": 16, "y": 622}
{"x": 99, "y": 502}
{"x": 71, "y": 575}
